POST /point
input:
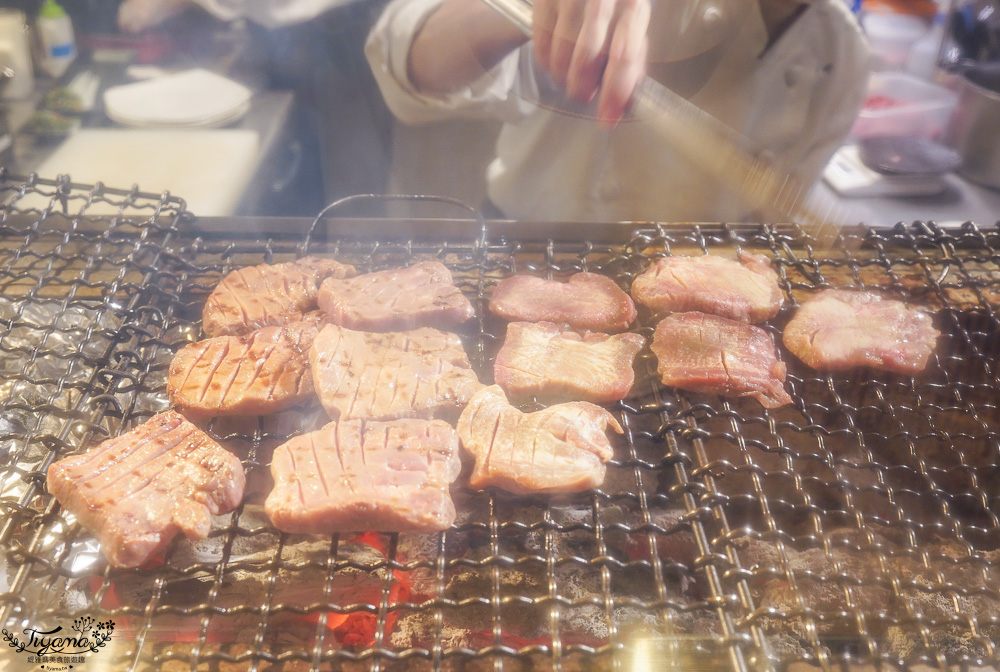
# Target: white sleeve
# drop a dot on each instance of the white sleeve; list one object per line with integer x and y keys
{"x": 836, "y": 106}
{"x": 494, "y": 95}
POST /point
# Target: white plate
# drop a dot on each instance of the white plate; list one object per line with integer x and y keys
{"x": 193, "y": 98}
{"x": 207, "y": 122}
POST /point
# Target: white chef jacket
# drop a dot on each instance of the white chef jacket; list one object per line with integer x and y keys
{"x": 793, "y": 101}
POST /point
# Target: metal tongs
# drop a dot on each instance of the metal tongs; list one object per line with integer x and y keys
{"x": 715, "y": 147}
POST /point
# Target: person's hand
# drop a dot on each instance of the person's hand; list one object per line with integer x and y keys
{"x": 135, "y": 16}
{"x": 594, "y": 48}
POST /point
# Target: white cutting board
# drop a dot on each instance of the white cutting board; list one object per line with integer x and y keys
{"x": 208, "y": 168}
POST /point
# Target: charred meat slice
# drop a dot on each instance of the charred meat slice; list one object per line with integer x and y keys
{"x": 708, "y": 353}
{"x": 269, "y": 294}
{"x": 543, "y": 360}
{"x": 262, "y": 372}
{"x": 421, "y": 373}
{"x": 135, "y": 492}
{"x": 354, "y": 476}
{"x": 422, "y": 295}
{"x": 586, "y": 301}
{"x": 746, "y": 290}
{"x": 841, "y": 329}
{"x": 562, "y": 448}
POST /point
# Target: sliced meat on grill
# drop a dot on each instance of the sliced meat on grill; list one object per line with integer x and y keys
{"x": 422, "y": 295}
{"x": 543, "y": 360}
{"x": 135, "y": 492}
{"x": 746, "y": 290}
{"x": 562, "y": 448}
{"x": 708, "y": 353}
{"x": 840, "y": 329}
{"x": 259, "y": 296}
{"x": 354, "y": 476}
{"x": 586, "y": 301}
{"x": 421, "y": 373}
{"x": 259, "y": 373}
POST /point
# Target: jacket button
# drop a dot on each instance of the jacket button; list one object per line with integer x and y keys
{"x": 712, "y": 15}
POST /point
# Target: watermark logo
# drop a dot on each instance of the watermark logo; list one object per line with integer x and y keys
{"x": 57, "y": 649}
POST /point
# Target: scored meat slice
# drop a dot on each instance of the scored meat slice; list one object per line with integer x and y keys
{"x": 422, "y": 373}
{"x": 421, "y": 295}
{"x": 136, "y": 491}
{"x": 746, "y": 290}
{"x": 268, "y": 294}
{"x": 543, "y": 360}
{"x": 586, "y": 301}
{"x": 262, "y": 372}
{"x": 840, "y": 329}
{"x": 708, "y": 353}
{"x": 356, "y": 476}
{"x": 562, "y": 448}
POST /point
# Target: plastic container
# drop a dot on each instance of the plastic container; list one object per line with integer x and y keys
{"x": 55, "y": 32}
{"x": 899, "y": 103}
{"x": 892, "y": 36}
{"x": 926, "y": 52}
{"x": 15, "y": 53}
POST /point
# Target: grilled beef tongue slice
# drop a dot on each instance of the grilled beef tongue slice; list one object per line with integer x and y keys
{"x": 562, "y": 448}
{"x": 542, "y": 360}
{"x": 355, "y": 476}
{"x": 262, "y": 372}
{"x": 841, "y": 329}
{"x": 712, "y": 354}
{"x": 267, "y": 294}
{"x": 422, "y": 295}
{"x": 422, "y": 373}
{"x": 586, "y": 301}
{"x": 136, "y": 491}
{"x": 746, "y": 290}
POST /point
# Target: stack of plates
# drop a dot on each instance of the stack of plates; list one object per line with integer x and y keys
{"x": 190, "y": 99}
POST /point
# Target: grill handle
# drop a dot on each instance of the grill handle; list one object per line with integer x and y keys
{"x": 382, "y": 199}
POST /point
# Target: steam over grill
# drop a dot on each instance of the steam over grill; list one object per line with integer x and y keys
{"x": 859, "y": 525}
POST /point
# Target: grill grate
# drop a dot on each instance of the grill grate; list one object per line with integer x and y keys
{"x": 857, "y": 526}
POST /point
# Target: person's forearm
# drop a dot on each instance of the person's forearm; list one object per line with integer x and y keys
{"x": 458, "y": 43}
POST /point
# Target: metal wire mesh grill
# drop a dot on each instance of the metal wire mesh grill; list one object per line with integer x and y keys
{"x": 857, "y": 526}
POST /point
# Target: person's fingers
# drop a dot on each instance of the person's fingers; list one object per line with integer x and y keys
{"x": 543, "y": 21}
{"x": 590, "y": 53}
{"x": 564, "y": 38}
{"x": 593, "y": 47}
{"x": 135, "y": 16}
{"x": 132, "y": 16}
{"x": 626, "y": 61}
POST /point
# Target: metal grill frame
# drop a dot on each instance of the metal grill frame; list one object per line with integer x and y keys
{"x": 144, "y": 273}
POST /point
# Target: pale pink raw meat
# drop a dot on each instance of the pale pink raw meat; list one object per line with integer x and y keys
{"x": 708, "y": 353}
{"x": 136, "y": 491}
{"x": 422, "y": 295}
{"x": 586, "y": 301}
{"x": 422, "y": 373}
{"x": 841, "y": 329}
{"x": 267, "y": 294}
{"x": 543, "y": 360}
{"x": 354, "y": 476}
{"x": 746, "y": 290}
{"x": 562, "y": 448}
